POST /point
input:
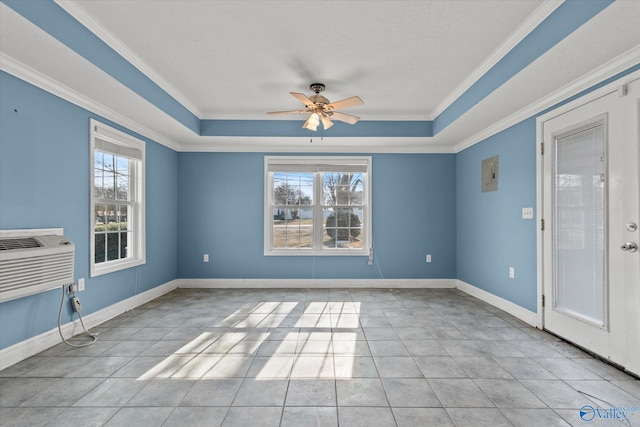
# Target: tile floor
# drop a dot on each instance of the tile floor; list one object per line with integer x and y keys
{"x": 347, "y": 357}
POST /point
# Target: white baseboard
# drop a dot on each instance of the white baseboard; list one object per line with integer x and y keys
{"x": 515, "y": 310}
{"x": 315, "y": 283}
{"x": 34, "y": 345}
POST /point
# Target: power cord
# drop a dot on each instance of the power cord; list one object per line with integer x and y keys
{"x": 75, "y": 302}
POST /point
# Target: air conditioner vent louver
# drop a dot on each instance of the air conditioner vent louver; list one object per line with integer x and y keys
{"x": 33, "y": 264}
{"x": 20, "y": 243}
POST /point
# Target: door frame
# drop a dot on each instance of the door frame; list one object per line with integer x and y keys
{"x": 615, "y": 86}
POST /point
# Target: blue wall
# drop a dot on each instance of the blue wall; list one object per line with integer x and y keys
{"x": 44, "y": 182}
{"x": 491, "y": 234}
{"x": 221, "y": 199}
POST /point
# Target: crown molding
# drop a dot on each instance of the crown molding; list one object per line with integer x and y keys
{"x": 617, "y": 65}
{"x": 264, "y": 116}
{"x": 313, "y": 144}
{"x": 539, "y": 15}
{"x": 46, "y": 83}
{"x": 75, "y": 9}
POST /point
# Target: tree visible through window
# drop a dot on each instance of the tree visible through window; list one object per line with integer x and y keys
{"x": 317, "y": 205}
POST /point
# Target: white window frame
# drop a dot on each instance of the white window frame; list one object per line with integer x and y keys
{"x": 105, "y": 138}
{"x": 313, "y": 164}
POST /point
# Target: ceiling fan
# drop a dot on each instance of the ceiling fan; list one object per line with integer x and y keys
{"x": 323, "y": 110}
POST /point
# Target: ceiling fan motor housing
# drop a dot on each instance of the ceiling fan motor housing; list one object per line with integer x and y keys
{"x": 319, "y": 100}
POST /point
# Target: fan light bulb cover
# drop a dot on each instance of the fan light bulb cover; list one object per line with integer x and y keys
{"x": 312, "y": 122}
{"x": 326, "y": 122}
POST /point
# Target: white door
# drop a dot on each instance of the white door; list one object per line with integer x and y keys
{"x": 590, "y": 207}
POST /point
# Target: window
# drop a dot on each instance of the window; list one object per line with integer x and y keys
{"x": 317, "y": 205}
{"x": 117, "y": 200}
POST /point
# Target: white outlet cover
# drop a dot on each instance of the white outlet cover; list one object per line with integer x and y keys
{"x": 527, "y": 213}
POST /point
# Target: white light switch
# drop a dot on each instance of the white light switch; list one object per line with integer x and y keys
{"x": 206, "y": 258}
{"x": 429, "y": 258}
{"x": 527, "y": 213}
{"x": 512, "y": 272}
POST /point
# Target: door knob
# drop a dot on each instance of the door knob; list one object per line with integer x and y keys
{"x": 629, "y": 247}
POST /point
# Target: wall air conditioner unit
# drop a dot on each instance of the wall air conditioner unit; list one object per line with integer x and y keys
{"x": 31, "y": 264}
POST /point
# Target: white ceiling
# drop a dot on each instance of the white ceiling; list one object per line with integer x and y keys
{"x": 408, "y": 60}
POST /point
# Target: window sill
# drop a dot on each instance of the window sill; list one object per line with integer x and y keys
{"x": 302, "y": 252}
{"x": 113, "y": 266}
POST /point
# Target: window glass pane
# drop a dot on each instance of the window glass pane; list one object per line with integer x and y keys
{"x": 342, "y": 188}
{"x": 111, "y": 215}
{"x": 122, "y": 187}
{"x": 107, "y": 162}
{"x": 580, "y": 240}
{"x": 356, "y": 193}
{"x": 292, "y": 228}
{"x": 108, "y": 185}
{"x": 100, "y": 250}
{"x": 124, "y": 239}
{"x": 290, "y": 188}
{"x": 122, "y": 216}
{"x": 342, "y": 228}
{"x": 113, "y": 246}
{"x": 98, "y": 189}
{"x": 98, "y": 163}
{"x": 99, "y": 226}
{"x": 122, "y": 165}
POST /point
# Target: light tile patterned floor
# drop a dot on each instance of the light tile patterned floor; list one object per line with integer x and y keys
{"x": 321, "y": 357}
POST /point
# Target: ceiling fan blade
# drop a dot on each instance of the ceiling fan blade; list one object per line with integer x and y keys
{"x": 346, "y": 103}
{"x": 288, "y": 112}
{"x": 347, "y": 118}
{"x": 302, "y": 98}
{"x": 326, "y": 122}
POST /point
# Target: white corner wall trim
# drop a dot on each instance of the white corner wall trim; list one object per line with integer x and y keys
{"x": 316, "y": 283}
{"x": 11, "y": 355}
{"x": 617, "y": 65}
{"x": 515, "y": 310}
{"x": 46, "y": 83}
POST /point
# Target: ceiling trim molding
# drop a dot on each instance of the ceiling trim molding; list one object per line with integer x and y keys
{"x": 359, "y": 145}
{"x": 538, "y": 16}
{"x": 46, "y": 83}
{"x": 283, "y": 117}
{"x": 618, "y": 65}
{"x": 74, "y": 9}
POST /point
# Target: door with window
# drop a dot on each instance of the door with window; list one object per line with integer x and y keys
{"x": 591, "y": 204}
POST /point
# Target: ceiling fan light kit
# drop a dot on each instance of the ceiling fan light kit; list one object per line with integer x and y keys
{"x": 320, "y": 109}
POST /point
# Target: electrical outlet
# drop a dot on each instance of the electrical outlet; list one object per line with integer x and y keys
{"x": 428, "y": 257}
{"x": 512, "y": 272}
{"x": 205, "y": 258}
{"x": 80, "y": 285}
{"x": 72, "y": 288}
